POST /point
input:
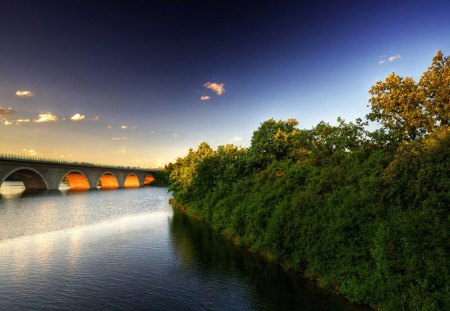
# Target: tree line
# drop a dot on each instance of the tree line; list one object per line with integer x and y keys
{"x": 363, "y": 212}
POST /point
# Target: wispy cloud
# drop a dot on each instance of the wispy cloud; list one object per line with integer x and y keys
{"x": 205, "y": 97}
{"x": 45, "y": 117}
{"x": 236, "y": 138}
{"x": 174, "y": 135}
{"x": 77, "y": 117}
{"x": 24, "y": 93}
{"x": 6, "y": 112}
{"x": 390, "y": 59}
{"x": 20, "y": 121}
{"x": 120, "y": 138}
{"x": 96, "y": 118}
{"x": 218, "y": 88}
{"x": 124, "y": 127}
{"x": 6, "y": 122}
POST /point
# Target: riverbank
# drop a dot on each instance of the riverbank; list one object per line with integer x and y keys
{"x": 285, "y": 266}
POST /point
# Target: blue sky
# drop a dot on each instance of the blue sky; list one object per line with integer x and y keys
{"x": 135, "y": 72}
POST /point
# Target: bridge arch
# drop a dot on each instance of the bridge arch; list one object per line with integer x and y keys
{"x": 107, "y": 180}
{"x": 75, "y": 180}
{"x": 31, "y": 178}
{"x": 148, "y": 179}
{"x": 131, "y": 181}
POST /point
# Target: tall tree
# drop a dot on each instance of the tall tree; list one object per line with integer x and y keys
{"x": 409, "y": 109}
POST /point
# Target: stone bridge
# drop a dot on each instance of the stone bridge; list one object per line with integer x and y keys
{"x": 42, "y": 175}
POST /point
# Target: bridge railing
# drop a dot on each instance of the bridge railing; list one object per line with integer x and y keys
{"x": 46, "y": 160}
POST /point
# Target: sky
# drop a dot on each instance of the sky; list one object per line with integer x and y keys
{"x": 137, "y": 83}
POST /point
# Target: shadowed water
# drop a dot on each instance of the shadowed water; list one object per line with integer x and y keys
{"x": 127, "y": 250}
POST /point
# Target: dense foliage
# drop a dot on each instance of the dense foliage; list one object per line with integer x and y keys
{"x": 364, "y": 212}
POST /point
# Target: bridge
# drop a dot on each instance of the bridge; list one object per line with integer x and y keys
{"x": 43, "y": 174}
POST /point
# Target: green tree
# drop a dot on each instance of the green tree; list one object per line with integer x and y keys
{"x": 183, "y": 171}
{"x": 274, "y": 140}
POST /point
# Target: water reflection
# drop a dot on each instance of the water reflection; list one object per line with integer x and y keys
{"x": 271, "y": 288}
{"x": 11, "y": 189}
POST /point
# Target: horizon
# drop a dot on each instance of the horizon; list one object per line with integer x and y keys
{"x": 139, "y": 84}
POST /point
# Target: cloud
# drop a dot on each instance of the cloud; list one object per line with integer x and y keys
{"x": 77, "y": 117}
{"x": 24, "y": 93}
{"x": 174, "y": 135}
{"x": 124, "y": 127}
{"x": 6, "y": 112}
{"x": 218, "y": 88}
{"x": 390, "y": 59}
{"x": 120, "y": 138}
{"x": 6, "y": 122}
{"x": 96, "y": 118}
{"x": 30, "y": 152}
{"x": 205, "y": 97}
{"x": 236, "y": 138}
{"x": 394, "y": 58}
{"x": 45, "y": 117}
{"x": 20, "y": 121}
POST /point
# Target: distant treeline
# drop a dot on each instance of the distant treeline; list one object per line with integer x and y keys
{"x": 365, "y": 213}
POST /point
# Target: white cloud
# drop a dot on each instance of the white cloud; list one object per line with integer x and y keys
{"x": 390, "y": 59}
{"x": 6, "y": 122}
{"x": 24, "y": 93}
{"x": 394, "y": 58}
{"x": 236, "y": 138}
{"x": 30, "y": 152}
{"x": 6, "y": 112}
{"x": 45, "y": 117}
{"x": 77, "y": 117}
{"x": 174, "y": 135}
{"x": 218, "y": 88}
{"x": 120, "y": 138}
{"x": 124, "y": 127}
{"x": 205, "y": 97}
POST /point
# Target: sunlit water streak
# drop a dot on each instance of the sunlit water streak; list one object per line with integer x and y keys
{"x": 127, "y": 250}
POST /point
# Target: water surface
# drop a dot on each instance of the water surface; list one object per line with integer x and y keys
{"x": 127, "y": 250}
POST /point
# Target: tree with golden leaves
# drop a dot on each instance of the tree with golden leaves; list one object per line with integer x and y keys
{"x": 412, "y": 110}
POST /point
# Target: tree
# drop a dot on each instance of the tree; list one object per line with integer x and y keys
{"x": 411, "y": 110}
{"x": 183, "y": 171}
{"x": 273, "y": 140}
{"x": 435, "y": 83}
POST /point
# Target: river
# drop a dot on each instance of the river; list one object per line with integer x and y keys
{"x": 127, "y": 249}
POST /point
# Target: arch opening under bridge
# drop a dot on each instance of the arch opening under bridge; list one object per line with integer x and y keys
{"x": 74, "y": 180}
{"x": 21, "y": 179}
{"x": 107, "y": 181}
